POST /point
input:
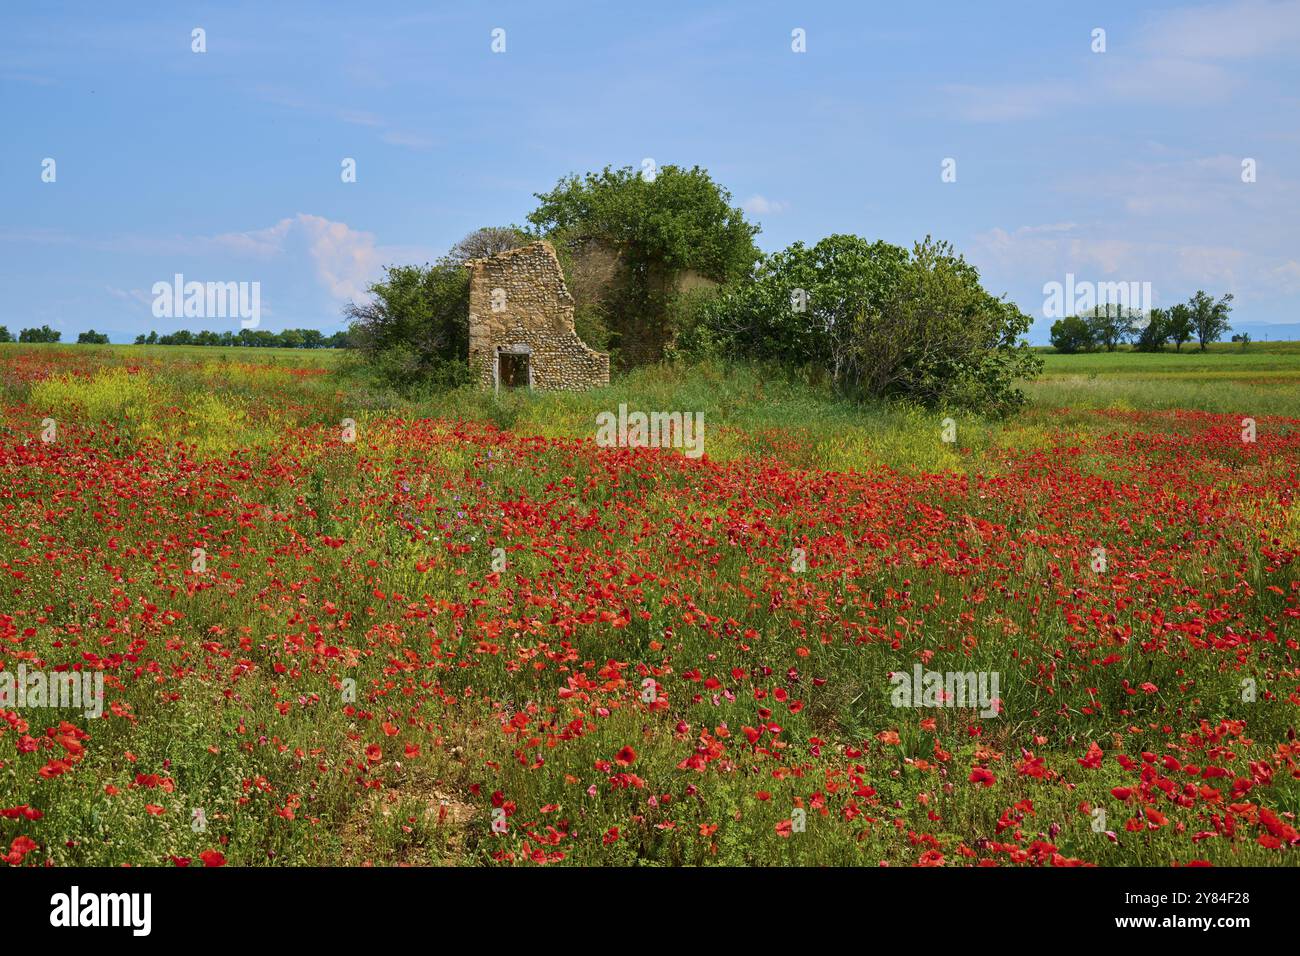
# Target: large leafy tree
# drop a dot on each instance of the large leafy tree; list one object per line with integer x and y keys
{"x": 653, "y": 229}
{"x": 1209, "y": 318}
{"x": 1180, "y": 325}
{"x": 674, "y": 220}
{"x": 1108, "y": 327}
{"x": 1071, "y": 334}
{"x": 1152, "y": 336}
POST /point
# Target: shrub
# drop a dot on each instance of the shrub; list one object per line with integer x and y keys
{"x": 414, "y": 333}
{"x": 879, "y": 321}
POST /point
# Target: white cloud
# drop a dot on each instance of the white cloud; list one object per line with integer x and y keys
{"x": 345, "y": 260}
{"x": 1248, "y": 28}
{"x": 1167, "y": 80}
{"x": 762, "y": 206}
{"x": 397, "y": 137}
{"x": 1049, "y": 227}
{"x": 1028, "y": 257}
{"x": 995, "y": 104}
{"x": 131, "y": 295}
{"x": 1287, "y": 277}
{"x": 1170, "y": 63}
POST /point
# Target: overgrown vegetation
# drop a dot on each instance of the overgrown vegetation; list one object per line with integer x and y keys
{"x": 414, "y": 332}
{"x": 626, "y": 239}
{"x": 875, "y": 320}
{"x": 879, "y": 321}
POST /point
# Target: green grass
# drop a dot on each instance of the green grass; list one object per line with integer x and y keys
{"x": 1262, "y": 380}
{"x": 310, "y": 358}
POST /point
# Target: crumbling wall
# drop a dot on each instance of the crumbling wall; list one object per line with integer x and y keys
{"x": 518, "y": 302}
{"x": 599, "y": 276}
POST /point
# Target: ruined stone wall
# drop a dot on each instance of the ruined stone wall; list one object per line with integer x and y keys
{"x": 533, "y": 311}
{"x": 598, "y": 272}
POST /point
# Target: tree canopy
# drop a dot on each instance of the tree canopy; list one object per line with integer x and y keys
{"x": 674, "y": 220}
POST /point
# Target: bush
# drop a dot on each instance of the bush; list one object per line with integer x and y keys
{"x": 414, "y": 333}
{"x": 880, "y": 322}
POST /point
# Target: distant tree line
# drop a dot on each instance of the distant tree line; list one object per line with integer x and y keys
{"x": 258, "y": 338}
{"x": 1201, "y": 318}
{"x": 261, "y": 338}
{"x": 43, "y": 334}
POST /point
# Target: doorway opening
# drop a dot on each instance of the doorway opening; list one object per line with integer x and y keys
{"x": 513, "y": 370}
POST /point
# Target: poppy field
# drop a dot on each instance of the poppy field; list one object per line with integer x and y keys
{"x": 335, "y": 627}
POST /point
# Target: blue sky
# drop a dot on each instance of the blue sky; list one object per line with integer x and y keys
{"x": 225, "y": 165}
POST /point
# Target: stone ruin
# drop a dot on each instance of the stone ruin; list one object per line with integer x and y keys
{"x": 521, "y": 324}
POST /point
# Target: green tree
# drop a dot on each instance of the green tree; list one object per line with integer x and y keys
{"x": 801, "y": 307}
{"x": 91, "y": 337}
{"x": 879, "y": 321}
{"x": 1210, "y": 318}
{"x": 4, "y": 334}
{"x": 43, "y": 334}
{"x": 654, "y": 229}
{"x": 1106, "y": 327}
{"x": 942, "y": 338}
{"x": 1072, "y": 334}
{"x": 677, "y": 219}
{"x": 414, "y": 331}
{"x": 1152, "y": 336}
{"x": 1181, "y": 328}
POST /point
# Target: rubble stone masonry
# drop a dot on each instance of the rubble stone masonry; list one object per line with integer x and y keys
{"x": 518, "y": 303}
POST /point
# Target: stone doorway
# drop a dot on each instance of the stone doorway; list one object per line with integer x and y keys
{"x": 518, "y": 303}
{"x": 513, "y": 369}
